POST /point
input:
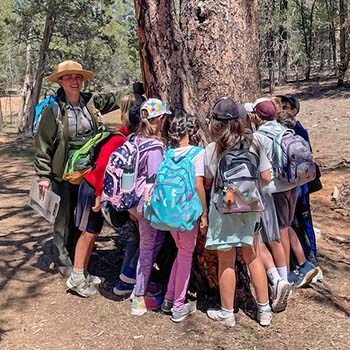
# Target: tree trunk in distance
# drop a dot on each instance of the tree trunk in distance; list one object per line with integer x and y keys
{"x": 49, "y": 26}
{"x": 343, "y": 55}
{"x": 27, "y": 87}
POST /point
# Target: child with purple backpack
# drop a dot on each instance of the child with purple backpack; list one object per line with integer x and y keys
{"x": 153, "y": 114}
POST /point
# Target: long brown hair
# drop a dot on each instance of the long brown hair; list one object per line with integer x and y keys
{"x": 227, "y": 133}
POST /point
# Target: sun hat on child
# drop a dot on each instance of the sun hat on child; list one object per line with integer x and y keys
{"x": 154, "y": 108}
{"x": 69, "y": 67}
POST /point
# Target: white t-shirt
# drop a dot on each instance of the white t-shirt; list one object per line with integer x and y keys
{"x": 197, "y": 161}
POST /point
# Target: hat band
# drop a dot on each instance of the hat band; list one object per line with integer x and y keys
{"x": 227, "y": 116}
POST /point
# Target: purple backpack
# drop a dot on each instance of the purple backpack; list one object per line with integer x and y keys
{"x": 125, "y": 173}
{"x": 292, "y": 158}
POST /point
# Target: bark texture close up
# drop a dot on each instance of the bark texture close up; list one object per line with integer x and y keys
{"x": 207, "y": 50}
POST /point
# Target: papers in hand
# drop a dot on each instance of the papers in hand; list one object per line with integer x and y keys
{"x": 46, "y": 205}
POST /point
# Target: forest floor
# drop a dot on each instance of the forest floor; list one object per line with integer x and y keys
{"x": 38, "y": 313}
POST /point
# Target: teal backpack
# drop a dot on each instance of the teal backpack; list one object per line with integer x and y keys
{"x": 174, "y": 203}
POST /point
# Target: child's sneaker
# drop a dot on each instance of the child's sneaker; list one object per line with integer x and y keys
{"x": 167, "y": 306}
{"x": 94, "y": 279}
{"x": 122, "y": 289}
{"x": 306, "y": 274}
{"x": 264, "y": 318}
{"x": 188, "y": 309}
{"x": 216, "y": 315}
{"x": 154, "y": 289}
{"x": 293, "y": 276}
{"x": 128, "y": 276}
{"x": 81, "y": 286}
{"x": 319, "y": 276}
{"x": 153, "y": 302}
{"x": 138, "y": 306}
{"x": 280, "y": 296}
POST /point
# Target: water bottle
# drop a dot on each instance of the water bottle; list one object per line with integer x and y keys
{"x": 149, "y": 188}
{"x": 128, "y": 178}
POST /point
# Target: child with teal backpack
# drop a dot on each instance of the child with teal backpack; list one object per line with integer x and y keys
{"x": 181, "y": 206}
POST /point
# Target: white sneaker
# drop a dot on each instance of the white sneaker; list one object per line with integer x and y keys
{"x": 81, "y": 286}
{"x": 216, "y": 315}
{"x": 95, "y": 280}
{"x": 281, "y": 292}
{"x": 265, "y": 318}
{"x": 318, "y": 277}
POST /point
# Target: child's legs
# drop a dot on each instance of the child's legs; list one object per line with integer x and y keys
{"x": 251, "y": 257}
{"x": 148, "y": 240}
{"x": 185, "y": 242}
{"x": 286, "y": 244}
{"x": 278, "y": 253}
{"x": 170, "y": 292}
{"x": 131, "y": 255}
{"x": 83, "y": 250}
{"x": 296, "y": 246}
{"x": 227, "y": 277}
{"x": 266, "y": 256}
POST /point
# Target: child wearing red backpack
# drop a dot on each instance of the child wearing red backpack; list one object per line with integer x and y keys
{"x": 89, "y": 218}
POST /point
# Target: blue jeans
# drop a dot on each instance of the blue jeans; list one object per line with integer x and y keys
{"x": 131, "y": 254}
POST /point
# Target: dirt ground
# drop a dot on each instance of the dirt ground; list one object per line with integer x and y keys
{"x": 38, "y": 313}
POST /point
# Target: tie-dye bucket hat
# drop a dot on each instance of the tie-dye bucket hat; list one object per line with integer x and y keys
{"x": 154, "y": 108}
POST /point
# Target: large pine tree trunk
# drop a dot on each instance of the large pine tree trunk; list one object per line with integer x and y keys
{"x": 211, "y": 49}
{"x": 222, "y": 43}
{"x": 190, "y": 59}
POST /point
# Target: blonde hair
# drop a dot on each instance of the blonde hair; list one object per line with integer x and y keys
{"x": 147, "y": 128}
{"x": 126, "y": 102}
{"x": 278, "y": 104}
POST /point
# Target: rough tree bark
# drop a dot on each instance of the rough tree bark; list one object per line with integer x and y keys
{"x": 210, "y": 49}
{"x": 1, "y": 118}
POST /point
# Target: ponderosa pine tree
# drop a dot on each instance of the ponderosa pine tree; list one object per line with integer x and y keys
{"x": 192, "y": 53}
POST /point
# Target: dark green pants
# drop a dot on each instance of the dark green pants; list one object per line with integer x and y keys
{"x": 65, "y": 233}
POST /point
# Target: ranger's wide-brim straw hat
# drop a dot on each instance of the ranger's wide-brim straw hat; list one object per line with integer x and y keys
{"x": 69, "y": 67}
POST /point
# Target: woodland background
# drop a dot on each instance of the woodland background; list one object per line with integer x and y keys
{"x": 299, "y": 40}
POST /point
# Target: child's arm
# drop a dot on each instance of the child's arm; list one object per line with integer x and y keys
{"x": 201, "y": 193}
{"x": 265, "y": 177}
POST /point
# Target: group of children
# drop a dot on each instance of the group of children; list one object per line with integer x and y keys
{"x": 264, "y": 235}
